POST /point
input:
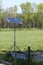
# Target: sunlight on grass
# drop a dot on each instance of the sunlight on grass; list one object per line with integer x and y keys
{"x": 32, "y": 38}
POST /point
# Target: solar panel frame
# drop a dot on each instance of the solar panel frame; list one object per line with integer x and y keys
{"x": 14, "y": 20}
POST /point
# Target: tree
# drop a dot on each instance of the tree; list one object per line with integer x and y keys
{"x": 15, "y": 9}
{"x": 22, "y": 7}
{"x": 0, "y": 11}
{"x": 0, "y": 6}
{"x": 26, "y": 10}
{"x": 34, "y": 16}
{"x": 8, "y": 12}
{"x": 40, "y": 8}
{"x": 40, "y": 13}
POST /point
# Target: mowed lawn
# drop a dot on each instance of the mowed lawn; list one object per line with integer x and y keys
{"x": 32, "y": 38}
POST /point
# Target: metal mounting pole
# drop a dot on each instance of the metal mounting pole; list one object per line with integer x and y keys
{"x": 15, "y": 44}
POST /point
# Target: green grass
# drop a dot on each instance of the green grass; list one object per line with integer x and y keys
{"x": 24, "y": 38}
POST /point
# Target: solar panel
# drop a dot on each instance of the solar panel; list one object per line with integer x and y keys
{"x": 14, "y": 20}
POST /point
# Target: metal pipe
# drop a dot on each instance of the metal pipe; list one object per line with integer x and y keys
{"x": 15, "y": 44}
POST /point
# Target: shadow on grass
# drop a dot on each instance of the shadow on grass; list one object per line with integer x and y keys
{"x": 4, "y": 55}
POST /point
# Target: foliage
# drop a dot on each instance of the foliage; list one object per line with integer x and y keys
{"x": 31, "y": 15}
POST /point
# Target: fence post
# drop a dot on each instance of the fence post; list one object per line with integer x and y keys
{"x": 28, "y": 53}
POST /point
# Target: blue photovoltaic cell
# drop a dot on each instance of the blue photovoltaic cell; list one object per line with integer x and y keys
{"x": 14, "y": 20}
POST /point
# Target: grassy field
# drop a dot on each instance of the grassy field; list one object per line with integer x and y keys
{"x": 24, "y": 38}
